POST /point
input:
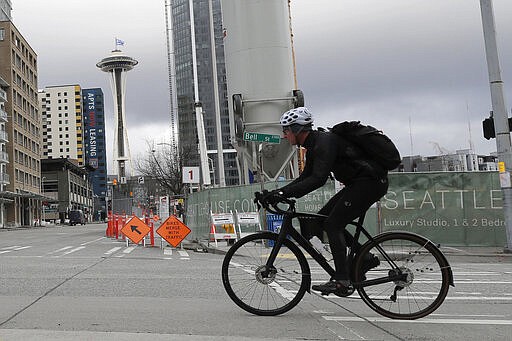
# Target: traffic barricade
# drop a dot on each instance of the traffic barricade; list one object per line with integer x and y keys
{"x": 247, "y": 223}
{"x": 222, "y": 227}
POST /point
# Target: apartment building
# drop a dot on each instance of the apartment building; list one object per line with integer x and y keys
{"x": 5, "y": 10}
{"x": 21, "y": 139}
{"x": 61, "y": 110}
{"x": 4, "y": 157}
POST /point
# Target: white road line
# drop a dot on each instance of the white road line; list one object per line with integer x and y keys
{"x": 449, "y": 298}
{"x": 111, "y": 251}
{"x": 129, "y": 249}
{"x": 22, "y": 248}
{"x": 427, "y": 320}
{"x": 168, "y": 252}
{"x": 59, "y": 250}
{"x": 458, "y": 282}
{"x": 184, "y": 254}
{"x": 9, "y": 247}
{"x": 92, "y": 241}
{"x": 72, "y": 250}
{"x": 472, "y": 315}
{"x": 14, "y": 248}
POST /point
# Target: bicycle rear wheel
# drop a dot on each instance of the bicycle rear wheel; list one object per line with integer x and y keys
{"x": 427, "y": 282}
{"x": 258, "y": 290}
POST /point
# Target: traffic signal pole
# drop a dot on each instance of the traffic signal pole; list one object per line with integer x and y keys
{"x": 500, "y": 115}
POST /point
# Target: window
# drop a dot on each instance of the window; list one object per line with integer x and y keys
{"x": 2, "y": 34}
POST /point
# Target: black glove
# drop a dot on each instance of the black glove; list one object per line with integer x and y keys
{"x": 273, "y": 197}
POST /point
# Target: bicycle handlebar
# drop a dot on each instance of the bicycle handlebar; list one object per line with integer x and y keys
{"x": 262, "y": 200}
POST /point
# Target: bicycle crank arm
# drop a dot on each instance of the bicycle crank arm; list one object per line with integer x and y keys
{"x": 370, "y": 282}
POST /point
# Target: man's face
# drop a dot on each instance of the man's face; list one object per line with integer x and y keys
{"x": 287, "y": 134}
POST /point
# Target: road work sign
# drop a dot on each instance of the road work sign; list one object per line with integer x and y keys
{"x": 173, "y": 231}
{"x": 135, "y": 229}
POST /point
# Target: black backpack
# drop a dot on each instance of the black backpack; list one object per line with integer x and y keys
{"x": 373, "y": 142}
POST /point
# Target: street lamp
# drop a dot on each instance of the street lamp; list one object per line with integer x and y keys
{"x": 43, "y": 207}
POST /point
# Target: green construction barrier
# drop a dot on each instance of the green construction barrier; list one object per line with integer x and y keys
{"x": 451, "y": 208}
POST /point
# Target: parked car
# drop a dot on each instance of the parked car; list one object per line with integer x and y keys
{"x": 76, "y": 217}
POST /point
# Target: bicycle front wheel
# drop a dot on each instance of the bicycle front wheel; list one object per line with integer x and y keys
{"x": 422, "y": 290}
{"x": 261, "y": 290}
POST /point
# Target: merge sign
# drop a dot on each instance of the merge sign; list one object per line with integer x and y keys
{"x": 135, "y": 229}
{"x": 173, "y": 231}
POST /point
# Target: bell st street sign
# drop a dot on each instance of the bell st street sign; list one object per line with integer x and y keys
{"x": 258, "y": 137}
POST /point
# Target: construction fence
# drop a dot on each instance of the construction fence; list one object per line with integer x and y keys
{"x": 451, "y": 208}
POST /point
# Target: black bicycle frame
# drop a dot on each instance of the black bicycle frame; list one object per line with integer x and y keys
{"x": 287, "y": 229}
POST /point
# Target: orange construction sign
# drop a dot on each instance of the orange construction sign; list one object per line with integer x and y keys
{"x": 173, "y": 230}
{"x": 135, "y": 229}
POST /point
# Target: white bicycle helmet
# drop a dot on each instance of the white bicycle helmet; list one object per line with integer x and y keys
{"x": 300, "y": 116}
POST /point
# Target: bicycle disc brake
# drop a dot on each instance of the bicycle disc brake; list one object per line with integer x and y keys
{"x": 264, "y": 275}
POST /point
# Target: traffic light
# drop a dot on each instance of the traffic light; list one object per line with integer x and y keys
{"x": 114, "y": 182}
{"x": 488, "y": 126}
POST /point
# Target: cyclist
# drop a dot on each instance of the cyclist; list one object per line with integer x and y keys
{"x": 364, "y": 179}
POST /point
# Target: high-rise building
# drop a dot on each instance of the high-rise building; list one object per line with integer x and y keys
{"x": 183, "y": 43}
{"x": 5, "y": 10}
{"x": 61, "y": 110}
{"x": 95, "y": 147}
{"x": 21, "y": 138}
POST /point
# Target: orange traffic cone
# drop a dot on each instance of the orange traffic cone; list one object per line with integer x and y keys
{"x": 212, "y": 232}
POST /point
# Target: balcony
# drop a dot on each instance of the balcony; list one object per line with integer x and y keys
{"x": 3, "y": 115}
{"x": 4, "y": 179}
{"x": 3, "y": 136}
{"x": 4, "y": 157}
{"x": 3, "y": 95}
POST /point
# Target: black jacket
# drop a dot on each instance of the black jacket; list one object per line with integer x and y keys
{"x": 329, "y": 153}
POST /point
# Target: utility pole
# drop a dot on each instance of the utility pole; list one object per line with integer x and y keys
{"x": 500, "y": 116}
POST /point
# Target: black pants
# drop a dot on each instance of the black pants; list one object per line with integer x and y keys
{"x": 345, "y": 206}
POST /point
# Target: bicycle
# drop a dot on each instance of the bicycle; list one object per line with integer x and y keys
{"x": 267, "y": 273}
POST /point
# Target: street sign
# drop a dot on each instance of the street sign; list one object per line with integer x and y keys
{"x": 258, "y": 137}
{"x": 190, "y": 175}
{"x": 140, "y": 180}
{"x": 173, "y": 230}
{"x": 135, "y": 229}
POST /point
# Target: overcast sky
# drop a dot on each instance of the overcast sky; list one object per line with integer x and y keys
{"x": 413, "y": 68}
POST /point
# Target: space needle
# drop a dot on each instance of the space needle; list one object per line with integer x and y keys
{"x": 118, "y": 64}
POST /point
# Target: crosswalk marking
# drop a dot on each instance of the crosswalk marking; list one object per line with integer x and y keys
{"x": 11, "y": 251}
{"x": 92, "y": 241}
{"x": 111, "y": 251}
{"x": 424, "y": 320}
{"x": 22, "y": 248}
{"x": 14, "y": 248}
{"x": 10, "y": 247}
{"x": 72, "y": 250}
{"x": 183, "y": 253}
{"x": 59, "y": 250}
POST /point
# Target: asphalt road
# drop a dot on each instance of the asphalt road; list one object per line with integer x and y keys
{"x": 72, "y": 283}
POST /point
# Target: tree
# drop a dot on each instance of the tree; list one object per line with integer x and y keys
{"x": 165, "y": 166}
